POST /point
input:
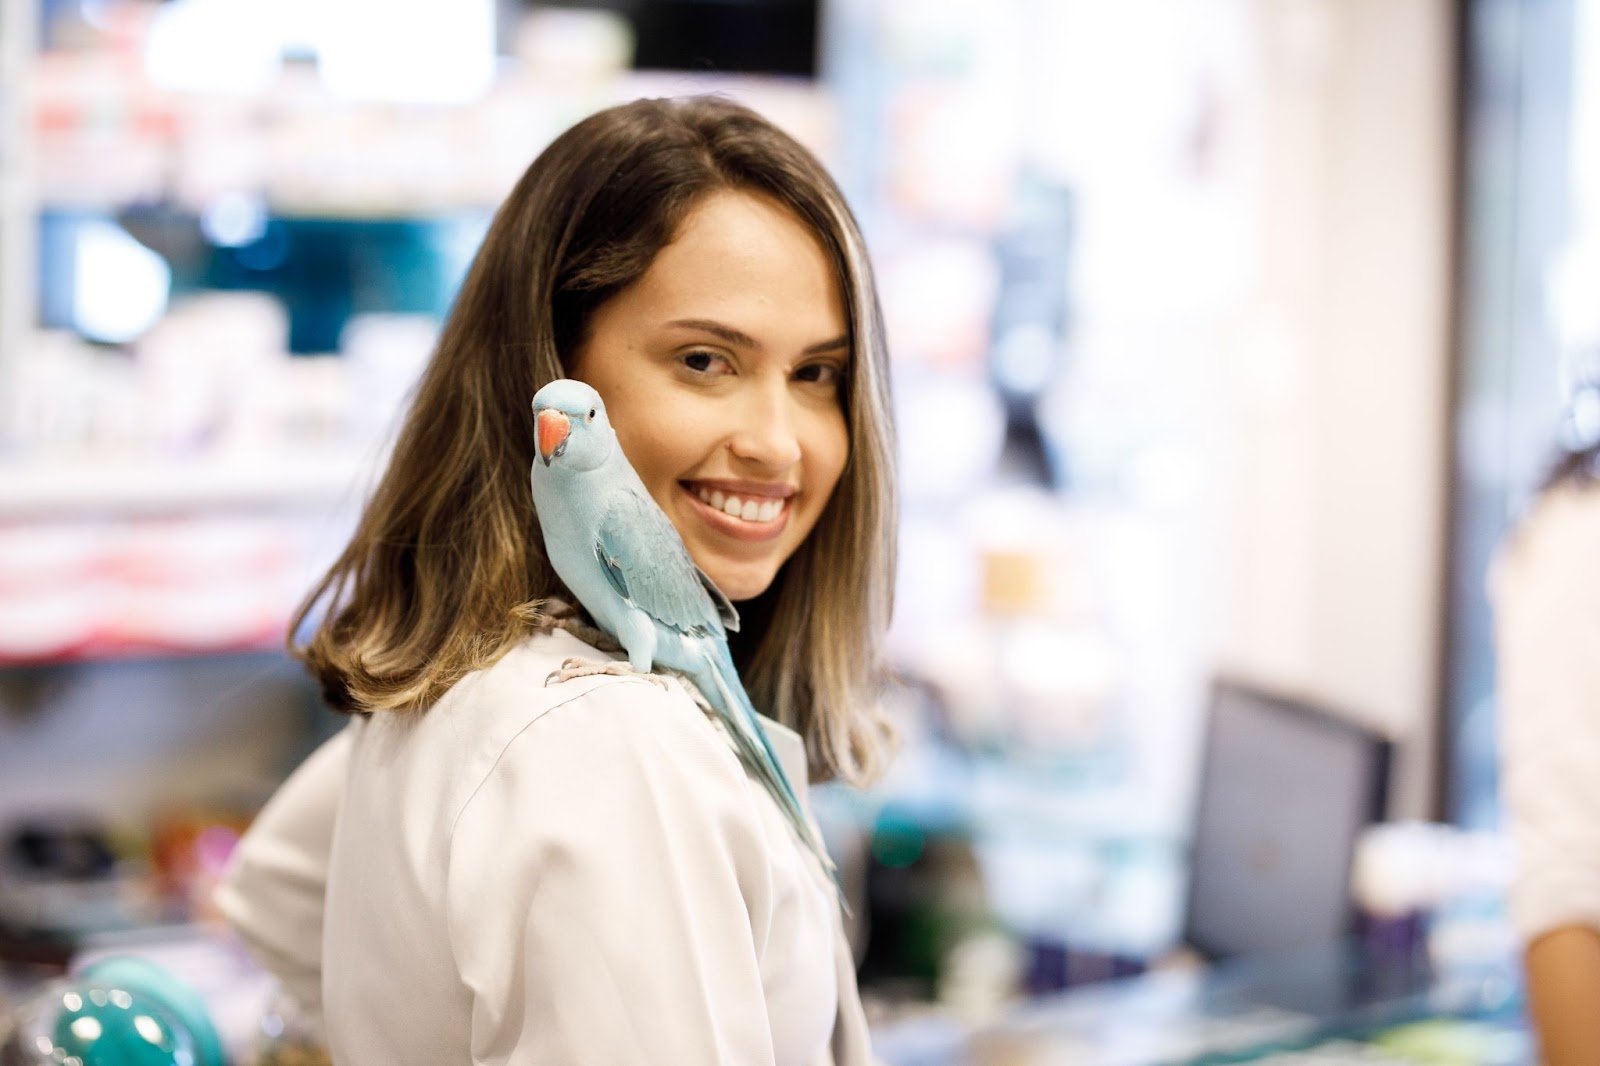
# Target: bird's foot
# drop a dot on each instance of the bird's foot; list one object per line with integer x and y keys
{"x": 575, "y": 668}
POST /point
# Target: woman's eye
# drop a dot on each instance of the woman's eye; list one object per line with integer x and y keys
{"x": 819, "y": 373}
{"x": 700, "y": 362}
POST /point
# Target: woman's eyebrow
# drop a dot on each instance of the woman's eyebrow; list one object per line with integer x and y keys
{"x": 743, "y": 339}
{"x": 827, "y": 346}
{"x": 717, "y": 329}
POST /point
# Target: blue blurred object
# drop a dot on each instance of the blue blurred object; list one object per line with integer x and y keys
{"x": 324, "y": 270}
{"x": 122, "y": 1011}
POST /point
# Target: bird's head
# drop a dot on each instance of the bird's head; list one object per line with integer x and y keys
{"x": 571, "y": 426}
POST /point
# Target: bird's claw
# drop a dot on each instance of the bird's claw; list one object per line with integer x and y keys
{"x": 575, "y": 668}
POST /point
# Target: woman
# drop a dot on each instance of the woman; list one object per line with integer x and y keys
{"x": 1546, "y": 590}
{"x": 582, "y": 872}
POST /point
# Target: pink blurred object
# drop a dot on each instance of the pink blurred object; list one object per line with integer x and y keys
{"x": 96, "y": 589}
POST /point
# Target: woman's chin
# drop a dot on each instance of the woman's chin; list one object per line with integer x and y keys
{"x": 741, "y": 583}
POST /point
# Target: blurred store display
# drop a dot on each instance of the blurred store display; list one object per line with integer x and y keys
{"x": 68, "y": 876}
{"x": 90, "y": 589}
{"x": 230, "y": 316}
{"x": 62, "y": 877}
{"x": 332, "y": 135}
{"x": 1056, "y": 285}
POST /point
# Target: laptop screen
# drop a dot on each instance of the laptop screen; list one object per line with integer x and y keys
{"x": 1284, "y": 791}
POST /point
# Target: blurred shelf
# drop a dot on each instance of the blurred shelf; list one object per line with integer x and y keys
{"x": 64, "y": 488}
{"x": 142, "y": 651}
{"x": 344, "y": 211}
{"x": 47, "y": 953}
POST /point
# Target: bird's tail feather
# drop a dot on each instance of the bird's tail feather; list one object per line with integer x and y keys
{"x": 755, "y": 750}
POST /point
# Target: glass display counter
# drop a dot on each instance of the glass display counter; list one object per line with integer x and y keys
{"x": 1330, "y": 1006}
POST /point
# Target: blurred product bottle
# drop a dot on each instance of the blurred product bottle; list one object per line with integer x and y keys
{"x": 1432, "y": 891}
{"x": 1395, "y": 882}
{"x": 121, "y": 1011}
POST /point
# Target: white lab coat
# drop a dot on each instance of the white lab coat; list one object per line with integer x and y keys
{"x": 1546, "y": 591}
{"x": 581, "y": 873}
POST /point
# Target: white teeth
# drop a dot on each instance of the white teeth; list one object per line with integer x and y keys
{"x": 747, "y": 510}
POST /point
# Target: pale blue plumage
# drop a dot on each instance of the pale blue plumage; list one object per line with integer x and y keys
{"x": 620, "y": 555}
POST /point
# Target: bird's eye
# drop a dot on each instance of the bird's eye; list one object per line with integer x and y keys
{"x": 591, "y": 414}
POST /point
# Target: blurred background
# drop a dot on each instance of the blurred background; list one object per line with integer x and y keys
{"x": 1260, "y": 317}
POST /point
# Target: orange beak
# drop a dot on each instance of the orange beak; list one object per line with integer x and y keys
{"x": 553, "y": 429}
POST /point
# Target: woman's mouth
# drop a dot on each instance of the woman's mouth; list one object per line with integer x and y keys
{"x": 747, "y": 517}
{"x": 746, "y": 509}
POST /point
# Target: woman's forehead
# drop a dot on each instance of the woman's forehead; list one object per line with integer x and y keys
{"x": 741, "y": 266}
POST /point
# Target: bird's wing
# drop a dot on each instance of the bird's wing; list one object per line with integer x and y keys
{"x": 725, "y": 608}
{"x": 645, "y": 560}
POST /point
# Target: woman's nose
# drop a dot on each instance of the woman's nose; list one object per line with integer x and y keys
{"x": 766, "y": 434}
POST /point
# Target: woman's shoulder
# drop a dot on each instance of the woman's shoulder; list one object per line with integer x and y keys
{"x": 516, "y": 718}
{"x": 522, "y": 673}
{"x": 527, "y": 684}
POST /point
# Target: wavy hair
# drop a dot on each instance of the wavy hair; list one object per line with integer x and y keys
{"x": 446, "y": 571}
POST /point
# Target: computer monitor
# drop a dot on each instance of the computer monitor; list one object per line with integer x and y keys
{"x": 1285, "y": 788}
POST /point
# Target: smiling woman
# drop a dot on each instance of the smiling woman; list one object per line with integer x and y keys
{"x": 723, "y": 368}
{"x": 524, "y": 854}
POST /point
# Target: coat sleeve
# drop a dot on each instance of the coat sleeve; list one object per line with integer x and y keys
{"x": 272, "y": 891}
{"x": 1546, "y": 592}
{"x": 608, "y": 893}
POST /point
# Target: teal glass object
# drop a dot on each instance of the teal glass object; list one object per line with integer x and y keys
{"x": 122, "y": 1011}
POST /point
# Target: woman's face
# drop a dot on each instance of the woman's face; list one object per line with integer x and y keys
{"x": 721, "y": 369}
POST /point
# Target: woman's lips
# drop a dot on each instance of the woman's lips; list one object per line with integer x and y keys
{"x": 725, "y": 512}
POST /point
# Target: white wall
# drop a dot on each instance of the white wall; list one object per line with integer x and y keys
{"x": 1336, "y": 462}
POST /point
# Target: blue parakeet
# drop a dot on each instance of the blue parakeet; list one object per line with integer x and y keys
{"x": 620, "y": 555}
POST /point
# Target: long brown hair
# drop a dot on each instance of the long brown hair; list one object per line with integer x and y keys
{"x": 446, "y": 570}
